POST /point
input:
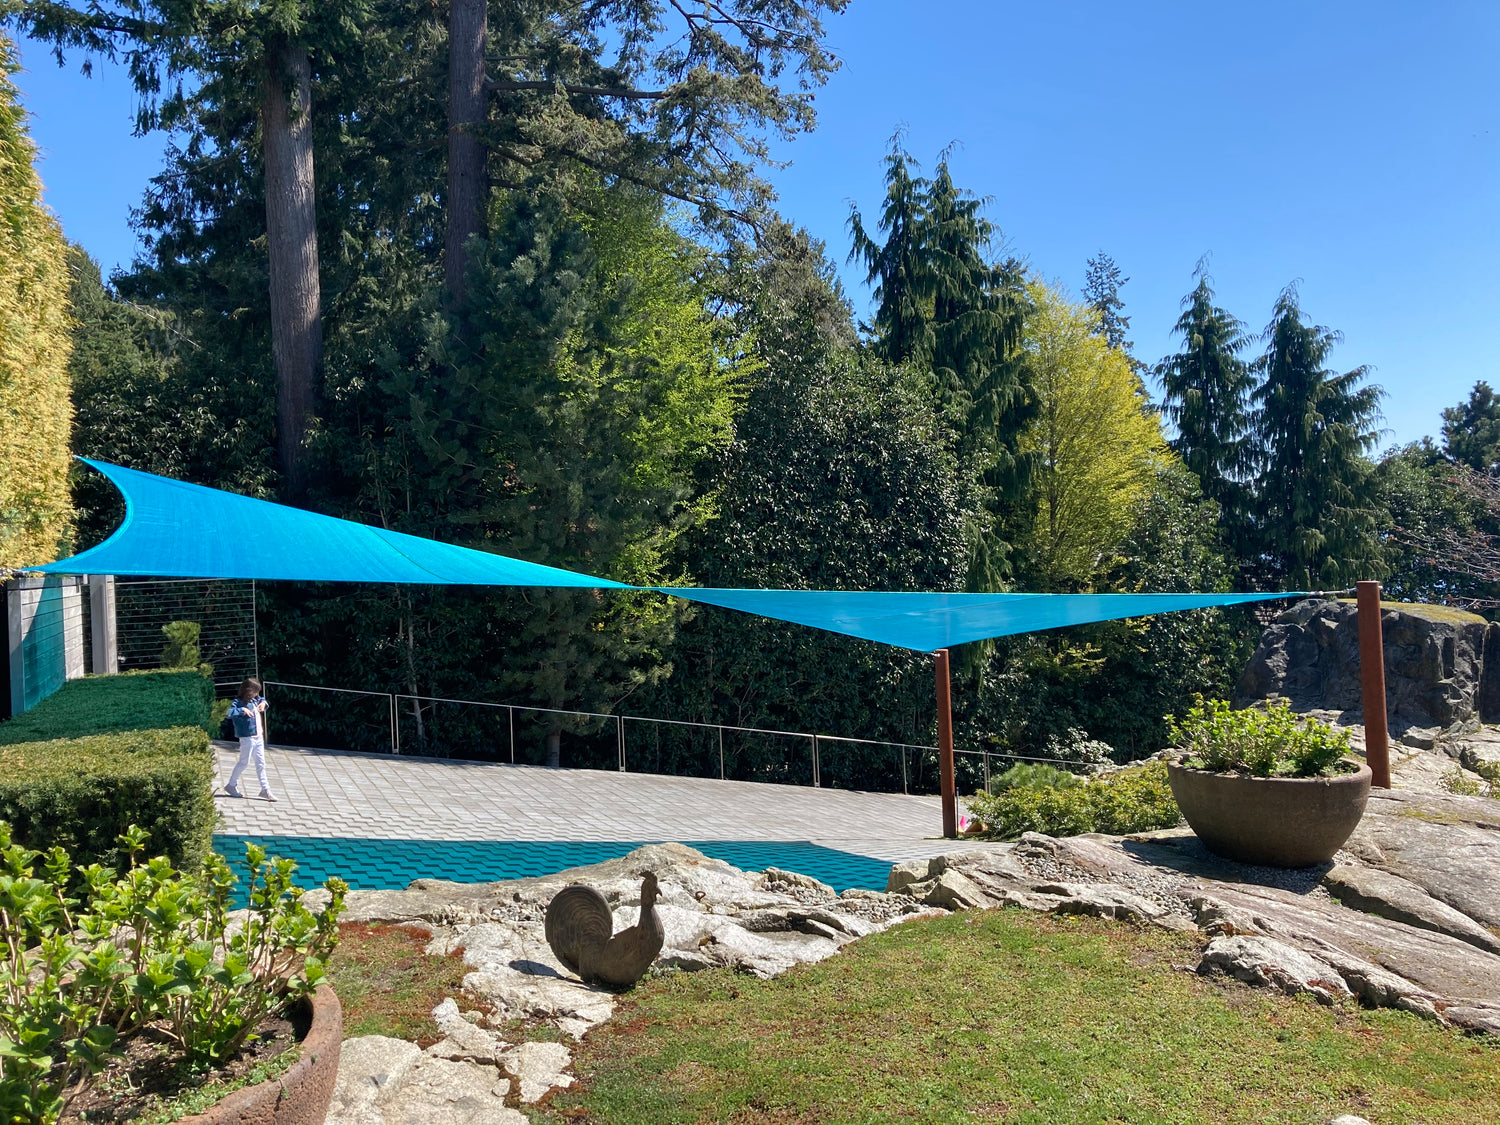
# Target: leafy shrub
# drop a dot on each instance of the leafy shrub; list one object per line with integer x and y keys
{"x": 151, "y": 947}
{"x": 1131, "y": 800}
{"x": 82, "y": 793}
{"x": 1269, "y": 742}
{"x": 1030, "y": 775}
{"x": 104, "y": 704}
{"x": 181, "y": 649}
{"x": 1077, "y": 746}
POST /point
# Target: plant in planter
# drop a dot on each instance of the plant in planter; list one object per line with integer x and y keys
{"x": 1264, "y": 785}
{"x": 96, "y": 960}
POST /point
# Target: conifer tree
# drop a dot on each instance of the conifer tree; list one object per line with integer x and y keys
{"x": 1471, "y": 430}
{"x": 945, "y": 304}
{"x": 1101, "y": 292}
{"x": 1315, "y": 428}
{"x": 1206, "y": 389}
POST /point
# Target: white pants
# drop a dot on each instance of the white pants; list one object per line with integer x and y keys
{"x": 252, "y": 749}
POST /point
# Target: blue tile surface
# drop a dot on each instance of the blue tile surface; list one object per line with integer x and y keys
{"x": 369, "y": 864}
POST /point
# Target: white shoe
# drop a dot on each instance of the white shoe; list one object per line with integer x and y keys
{"x": 265, "y": 795}
{"x": 232, "y": 791}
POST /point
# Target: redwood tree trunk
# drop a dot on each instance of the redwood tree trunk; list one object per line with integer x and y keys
{"x": 466, "y": 155}
{"x": 292, "y": 247}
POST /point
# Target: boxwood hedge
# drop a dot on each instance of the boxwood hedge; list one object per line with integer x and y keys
{"x": 106, "y": 752}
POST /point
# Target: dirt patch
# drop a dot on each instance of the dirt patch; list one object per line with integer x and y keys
{"x": 151, "y": 1074}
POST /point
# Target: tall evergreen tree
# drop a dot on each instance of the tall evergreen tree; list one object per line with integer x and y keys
{"x": 1471, "y": 430}
{"x": 1206, "y": 391}
{"x": 946, "y": 304}
{"x": 1101, "y": 292}
{"x": 1316, "y": 428}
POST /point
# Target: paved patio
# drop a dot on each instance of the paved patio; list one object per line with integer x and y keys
{"x": 330, "y": 793}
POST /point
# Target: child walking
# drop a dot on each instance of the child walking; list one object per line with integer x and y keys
{"x": 247, "y": 712}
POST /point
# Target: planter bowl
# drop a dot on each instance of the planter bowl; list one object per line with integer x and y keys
{"x": 302, "y": 1095}
{"x": 1274, "y": 821}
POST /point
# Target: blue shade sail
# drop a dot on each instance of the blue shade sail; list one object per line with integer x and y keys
{"x": 927, "y": 622}
{"x": 188, "y": 531}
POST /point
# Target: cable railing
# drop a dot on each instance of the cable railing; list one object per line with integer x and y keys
{"x": 614, "y": 741}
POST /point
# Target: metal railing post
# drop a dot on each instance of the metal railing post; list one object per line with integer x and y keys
{"x": 817, "y": 772}
{"x": 510, "y": 714}
{"x": 395, "y": 728}
{"x": 721, "y": 753}
{"x": 904, "y": 788}
{"x": 620, "y": 729}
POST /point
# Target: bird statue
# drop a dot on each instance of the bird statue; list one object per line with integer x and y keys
{"x": 579, "y": 928}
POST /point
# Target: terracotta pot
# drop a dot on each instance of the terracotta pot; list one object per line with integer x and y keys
{"x": 1275, "y": 821}
{"x": 300, "y": 1096}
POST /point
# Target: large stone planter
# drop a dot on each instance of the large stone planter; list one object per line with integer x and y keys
{"x": 1276, "y": 821}
{"x": 300, "y": 1096}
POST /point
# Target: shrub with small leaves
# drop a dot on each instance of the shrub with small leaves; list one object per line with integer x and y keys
{"x": 1263, "y": 742}
{"x": 92, "y": 956}
{"x": 1032, "y": 775}
{"x": 1130, "y": 800}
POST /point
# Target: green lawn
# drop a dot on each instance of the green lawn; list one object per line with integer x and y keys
{"x": 1016, "y": 1017}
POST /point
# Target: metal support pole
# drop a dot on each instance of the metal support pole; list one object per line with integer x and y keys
{"x": 106, "y": 654}
{"x": 510, "y": 715}
{"x": 1372, "y": 684}
{"x": 904, "y": 788}
{"x": 620, "y": 732}
{"x": 721, "y": 753}
{"x": 817, "y": 773}
{"x": 945, "y": 745}
{"x": 395, "y": 728}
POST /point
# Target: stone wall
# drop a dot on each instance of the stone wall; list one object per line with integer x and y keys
{"x": 1442, "y": 667}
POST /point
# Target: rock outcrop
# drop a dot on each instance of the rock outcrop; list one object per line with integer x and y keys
{"x": 1440, "y": 681}
{"x": 1407, "y": 917}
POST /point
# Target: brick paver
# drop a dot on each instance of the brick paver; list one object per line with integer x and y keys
{"x": 329, "y": 793}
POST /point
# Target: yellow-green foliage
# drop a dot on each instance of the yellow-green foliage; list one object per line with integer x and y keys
{"x": 1098, "y": 446}
{"x": 35, "y": 410}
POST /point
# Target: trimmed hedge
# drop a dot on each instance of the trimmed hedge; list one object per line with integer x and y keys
{"x": 105, "y": 752}
{"x": 134, "y": 701}
{"x": 82, "y": 793}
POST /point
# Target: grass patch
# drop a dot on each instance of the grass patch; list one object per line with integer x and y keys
{"x": 205, "y": 1097}
{"x": 1011, "y": 1016}
{"x": 388, "y": 985}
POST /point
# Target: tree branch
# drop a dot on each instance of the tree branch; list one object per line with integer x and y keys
{"x": 594, "y": 91}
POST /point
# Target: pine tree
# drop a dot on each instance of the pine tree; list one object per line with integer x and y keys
{"x": 1315, "y": 428}
{"x": 1206, "y": 391}
{"x": 1471, "y": 430}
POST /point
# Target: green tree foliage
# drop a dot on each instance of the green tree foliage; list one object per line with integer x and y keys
{"x": 841, "y": 476}
{"x": 1206, "y": 392}
{"x": 1096, "y": 448}
{"x": 35, "y": 408}
{"x": 1119, "y": 679}
{"x": 1471, "y": 430}
{"x": 132, "y": 405}
{"x": 1102, "y": 280}
{"x": 945, "y": 304}
{"x": 1315, "y": 427}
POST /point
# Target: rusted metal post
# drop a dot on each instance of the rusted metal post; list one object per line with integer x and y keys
{"x": 945, "y": 745}
{"x": 1372, "y": 684}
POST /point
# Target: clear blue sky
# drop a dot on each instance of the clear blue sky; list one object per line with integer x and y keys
{"x": 1353, "y": 146}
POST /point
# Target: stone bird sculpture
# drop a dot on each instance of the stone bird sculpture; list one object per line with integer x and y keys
{"x": 579, "y": 929}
